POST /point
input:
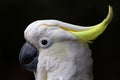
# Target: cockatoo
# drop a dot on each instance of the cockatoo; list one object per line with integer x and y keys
{"x": 55, "y": 50}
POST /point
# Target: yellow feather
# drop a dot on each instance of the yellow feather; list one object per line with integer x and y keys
{"x": 96, "y": 30}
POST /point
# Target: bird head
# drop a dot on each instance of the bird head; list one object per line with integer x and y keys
{"x": 55, "y": 50}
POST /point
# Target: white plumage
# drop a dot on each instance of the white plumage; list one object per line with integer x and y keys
{"x": 65, "y": 59}
{"x": 63, "y": 52}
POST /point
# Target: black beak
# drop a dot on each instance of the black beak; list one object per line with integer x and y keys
{"x": 29, "y": 57}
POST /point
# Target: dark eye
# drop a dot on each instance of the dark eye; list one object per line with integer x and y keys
{"x": 45, "y": 42}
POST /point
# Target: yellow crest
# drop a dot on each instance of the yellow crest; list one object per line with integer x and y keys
{"x": 94, "y": 31}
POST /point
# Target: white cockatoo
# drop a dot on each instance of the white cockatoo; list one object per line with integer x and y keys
{"x": 55, "y": 50}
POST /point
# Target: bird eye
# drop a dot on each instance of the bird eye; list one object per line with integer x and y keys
{"x": 45, "y": 42}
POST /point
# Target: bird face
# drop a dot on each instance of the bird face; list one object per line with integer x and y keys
{"x": 49, "y": 50}
{"x": 42, "y": 41}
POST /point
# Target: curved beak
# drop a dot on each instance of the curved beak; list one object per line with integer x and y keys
{"x": 28, "y": 57}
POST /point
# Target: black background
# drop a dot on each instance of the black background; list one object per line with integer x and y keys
{"x": 15, "y": 15}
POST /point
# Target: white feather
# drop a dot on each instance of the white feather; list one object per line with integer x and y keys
{"x": 66, "y": 59}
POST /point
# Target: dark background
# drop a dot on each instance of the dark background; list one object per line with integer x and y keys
{"x": 15, "y": 15}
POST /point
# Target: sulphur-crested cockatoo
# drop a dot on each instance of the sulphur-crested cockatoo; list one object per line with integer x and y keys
{"x": 55, "y": 50}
